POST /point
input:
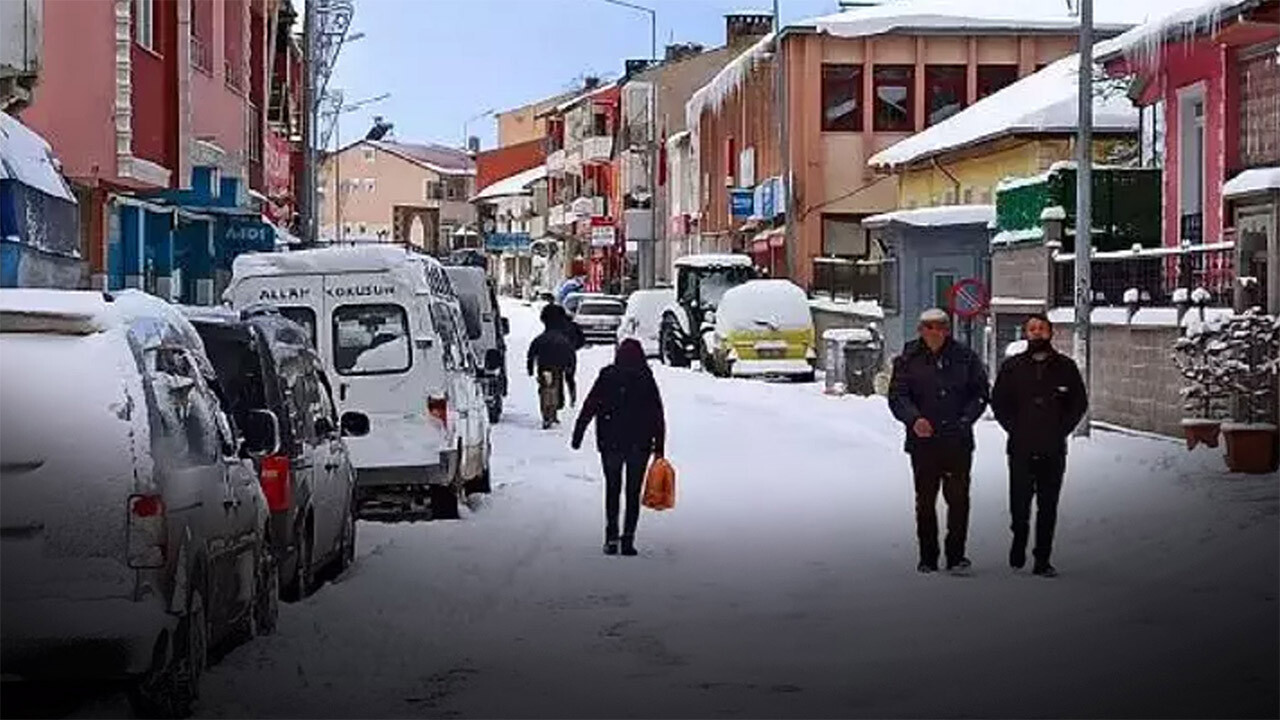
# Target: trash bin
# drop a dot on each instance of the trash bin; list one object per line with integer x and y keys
{"x": 863, "y": 357}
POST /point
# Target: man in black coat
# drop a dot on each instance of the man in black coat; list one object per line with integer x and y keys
{"x": 938, "y": 391}
{"x": 1038, "y": 399}
{"x": 553, "y": 356}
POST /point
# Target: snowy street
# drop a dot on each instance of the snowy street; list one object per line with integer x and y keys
{"x": 784, "y": 584}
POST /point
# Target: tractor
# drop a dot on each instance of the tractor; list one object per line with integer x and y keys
{"x": 701, "y": 280}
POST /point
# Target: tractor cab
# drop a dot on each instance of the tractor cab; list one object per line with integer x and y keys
{"x": 701, "y": 281}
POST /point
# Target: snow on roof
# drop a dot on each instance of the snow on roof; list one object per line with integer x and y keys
{"x": 70, "y": 311}
{"x": 517, "y": 184}
{"x": 935, "y": 216}
{"x": 709, "y": 261}
{"x": 1044, "y": 102}
{"x": 1182, "y": 19}
{"x": 1254, "y": 180}
{"x": 764, "y": 304}
{"x": 848, "y": 335}
{"x": 441, "y": 159}
{"x": 932, "y": 16}
{"x": 578, "y": 98}
{"x": 330, "y": 260}
{"x": 27, "y": 158}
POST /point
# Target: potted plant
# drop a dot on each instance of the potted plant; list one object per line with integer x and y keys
{"x": 1252, "y": 361}
{"x": 1198, "y": 356}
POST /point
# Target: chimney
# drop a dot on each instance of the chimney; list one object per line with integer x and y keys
{"x": 681, "y": 51}
{"x": 745, "y": 28}
{"x": 590, "y": 82}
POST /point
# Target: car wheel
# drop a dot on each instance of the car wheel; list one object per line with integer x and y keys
{"x": 302, "y": 583}
{"x": 444, "y": 502}
{"x": 171, "y": 691}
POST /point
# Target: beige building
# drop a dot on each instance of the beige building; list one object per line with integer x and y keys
{"x": 528, "y": 122}
{"x": 407, "y": 193}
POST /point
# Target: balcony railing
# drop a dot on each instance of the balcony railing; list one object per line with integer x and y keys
{"x": 597, "y": 149}
{"x": 201, "y": 55}
{"x": 1155, "y": 273}
{"x": 537, "y": 226}
{"x": 846, "y": 279}
{"x": 555, "y": 162}
{"x": 556, "y": 216}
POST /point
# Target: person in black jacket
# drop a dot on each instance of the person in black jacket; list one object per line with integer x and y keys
{"x": 938, "y": 391}
{"x": 1039, "y": 398}
{"x": 630, "y": 427}
{"x": 557, "y": 318}
{"x": 553, "y": 356}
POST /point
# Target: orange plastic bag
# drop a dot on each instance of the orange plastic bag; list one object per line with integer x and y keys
{"x": 660, "y": 486}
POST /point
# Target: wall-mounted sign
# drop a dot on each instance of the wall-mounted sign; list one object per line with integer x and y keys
{"x": 603, "y": 235}
{"x": 741, "y": 202}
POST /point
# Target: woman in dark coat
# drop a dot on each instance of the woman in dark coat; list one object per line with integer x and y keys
{"x": 630, "y": 428}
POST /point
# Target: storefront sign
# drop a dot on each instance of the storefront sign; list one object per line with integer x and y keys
{"x": 603, "y": 235}
{"x": 741, "y": 202}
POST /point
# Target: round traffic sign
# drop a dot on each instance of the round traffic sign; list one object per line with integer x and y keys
{"x": 968, "y": 298}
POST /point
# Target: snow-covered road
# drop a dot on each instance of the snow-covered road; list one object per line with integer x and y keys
{"x": 784, "y": 584}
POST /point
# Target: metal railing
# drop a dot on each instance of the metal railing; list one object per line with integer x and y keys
{"x": 846, "y": 279}
{"x": 1155, "y": 273}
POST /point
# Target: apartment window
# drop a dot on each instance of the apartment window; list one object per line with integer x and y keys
{"x": 599, "y": 125}
{"x": 1259, "y": 107}
{"x": 431, "y": 190}
{"x": 842, "y": 98}
{"x": 144, "y": 23}
{"x": 1191, "y": 162}
{"x": 945, "y": 88}
{"x": 893, "y": 85}
{"x": 369, "y": 154}
{"x": 991, "y": 78}
{"x": 233, "y": 43}
{"x": 364, "y": 229}
{"x": 202, "y": 35}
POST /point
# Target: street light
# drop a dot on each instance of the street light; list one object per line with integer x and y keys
{"x": 653, "y": 24}
{"x": 465, "y": 137}
{"x": 337, "y": 155}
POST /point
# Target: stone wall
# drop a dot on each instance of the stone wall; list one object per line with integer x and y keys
{"x": 1135, "y": 382}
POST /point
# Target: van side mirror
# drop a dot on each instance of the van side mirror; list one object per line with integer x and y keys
{"x": 492, "y": 360}
{"x": 506, "y": 325}
{"x": 262, "y": 432}
{"x": 354, "y": 424}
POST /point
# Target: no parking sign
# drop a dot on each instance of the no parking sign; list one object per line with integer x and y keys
{"x": 968, "y": 298}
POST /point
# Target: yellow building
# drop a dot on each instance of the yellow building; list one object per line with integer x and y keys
{"x": 1019, "y": 131}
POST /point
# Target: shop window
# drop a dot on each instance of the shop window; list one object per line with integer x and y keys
{"x": 893, "y": 85}
{"x": 992, "y": 78}
{"x": 945, "y": 87}
{"x": 841, "y": 98}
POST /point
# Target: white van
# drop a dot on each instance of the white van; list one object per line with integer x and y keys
{"x": 369, "y": 313}
{"x": 643, "y": 318}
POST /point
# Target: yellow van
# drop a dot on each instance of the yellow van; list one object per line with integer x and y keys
{"x": 762, "y": 328}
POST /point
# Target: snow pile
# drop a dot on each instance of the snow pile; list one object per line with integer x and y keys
{"x": 517, "y": 184}
{"x": 1253, "y": 180}
{"x": 713, "y": 261}
{"x": 757, "y": 305}
{"x": 1045, "y": 102}
{"x": 28, "y": 158}
{"x": 1200, "y": 296}
{"x": 1131, "y": 296}
{"x": 935, "y": 216}
{"x": 1012, "y": 237}
{"x": 1181, "y": 295}
{"x": 864, "y": 308}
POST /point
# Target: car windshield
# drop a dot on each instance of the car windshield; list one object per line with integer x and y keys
{"x": 595, "y": 307}
{"x": 370, "y": 339}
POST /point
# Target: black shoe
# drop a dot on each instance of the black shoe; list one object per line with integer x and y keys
{"x": 1044, "y": 569}
{"x": 629, "y": 547}
{"x": 1017, "y": 557}
{"x": 927, "y": 567}
{"x": 611, "y": 547}
{"x": 960, "y": 564}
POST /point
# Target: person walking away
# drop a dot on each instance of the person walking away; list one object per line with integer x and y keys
{"x": 630, "y": 428}
{"x": 1039, "y": 398}
{"x": 938, "y": 390}
{"x": 552, "y": 356}
{"x": 561, "y": 322}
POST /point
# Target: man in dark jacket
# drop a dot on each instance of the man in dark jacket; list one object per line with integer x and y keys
{"x": 1038, "y": 399}
{"x": 938, "y": 391}
{"x": 630, "y": 427}
{"x": 553, "y": 356}
{"x": 555, "y": 317}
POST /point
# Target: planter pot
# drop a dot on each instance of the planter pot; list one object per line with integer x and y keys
{"x": 1253, "y": 449}
{"x": 1201, "y": 430}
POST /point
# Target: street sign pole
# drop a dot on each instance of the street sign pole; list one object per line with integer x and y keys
{"x": 1084, "y": 206}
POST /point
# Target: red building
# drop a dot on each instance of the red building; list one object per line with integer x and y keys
{"x": 494, "y": 165}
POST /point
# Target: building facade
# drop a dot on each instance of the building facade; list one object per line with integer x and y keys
{"x": 526, "y": 123}
{"x": 388, "y": 191}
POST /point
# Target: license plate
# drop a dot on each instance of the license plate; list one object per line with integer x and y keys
{"x": 771, "y": 353}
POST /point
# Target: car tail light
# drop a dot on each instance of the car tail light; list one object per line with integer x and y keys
{"x": 439, "y": 409}
{"x": 276, "y": 478}
{"x": 147, "y": 535}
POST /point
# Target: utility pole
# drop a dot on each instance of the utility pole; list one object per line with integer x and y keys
{"x": 1084, "y": 206}
{"x": 309, "y": 126}
{"x": 780, "y": 112}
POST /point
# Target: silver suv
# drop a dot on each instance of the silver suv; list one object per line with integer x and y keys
{"x": 133, "y": 522}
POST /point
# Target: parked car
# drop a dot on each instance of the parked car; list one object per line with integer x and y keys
{"x": 599, "y": 317}
{"x": 380, "y": 342}
{"x": 270, "y": 374}
{"x": 761, "y": 328}
{"x": 487, "y": 331}
{"x": 134, "y": 527}
{"x": 642, "y": 320}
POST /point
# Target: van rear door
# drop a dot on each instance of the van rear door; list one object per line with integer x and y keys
{"x": 372, "y": 322}
{"x": 299, "y": 298}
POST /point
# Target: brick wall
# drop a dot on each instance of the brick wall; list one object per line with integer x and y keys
{"x": 1135, "y": 382}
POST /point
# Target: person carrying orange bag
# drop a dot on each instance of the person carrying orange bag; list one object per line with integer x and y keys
{"x": 660, "y": 485}
{"x": 630, "y": 429}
